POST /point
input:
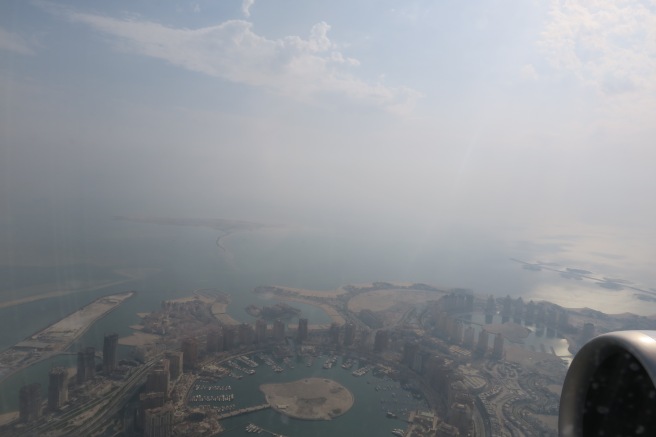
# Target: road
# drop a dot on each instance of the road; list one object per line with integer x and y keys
{"x": 103, "y": 409}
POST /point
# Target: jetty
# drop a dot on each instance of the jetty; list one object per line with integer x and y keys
{"x": 241, "y": 411}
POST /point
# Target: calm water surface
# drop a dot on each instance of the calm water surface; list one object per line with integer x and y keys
{"x": 189, "y": 259}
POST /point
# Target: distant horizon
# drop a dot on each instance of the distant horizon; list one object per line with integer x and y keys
{"x": 443, "y": 262}
{"x": 506, "y": 148}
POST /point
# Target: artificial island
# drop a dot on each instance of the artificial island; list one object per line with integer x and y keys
{"x": 443, "y": 362}
{"x": 309, "y": 398}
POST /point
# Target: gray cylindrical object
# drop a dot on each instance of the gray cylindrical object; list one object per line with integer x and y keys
{"x": 609, "y": 387}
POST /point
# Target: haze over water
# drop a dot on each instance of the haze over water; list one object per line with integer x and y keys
{"x": 404, "y": 141}
{"x": 188, "y": 258}
{"x": 508, "y": 131}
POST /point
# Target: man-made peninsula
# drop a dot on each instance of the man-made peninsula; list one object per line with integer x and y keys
{"x": 57, "y": 337}
{"x": 309, "y": 399}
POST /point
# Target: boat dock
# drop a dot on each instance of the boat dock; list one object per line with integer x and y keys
{"x": 241, "y": 411}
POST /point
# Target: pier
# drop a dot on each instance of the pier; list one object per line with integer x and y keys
{"x": 241, "y": 411}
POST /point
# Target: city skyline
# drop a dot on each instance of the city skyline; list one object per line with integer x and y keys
{"x": 412, "y": 212}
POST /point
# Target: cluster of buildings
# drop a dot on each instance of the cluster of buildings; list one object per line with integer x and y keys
{"x": 541, "y": 314}
{"x": 30, "y": 401}
{"x": 431, "y": 351}
{"x": 155, "y": 413}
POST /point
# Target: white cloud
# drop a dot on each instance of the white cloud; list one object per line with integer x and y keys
{"x": 246, "y": 6}
{"x": 528, "y": 72}
{"x": 607, "y": 44}
{"x": 291, "y": 66}
{"x": 13, "y": 42}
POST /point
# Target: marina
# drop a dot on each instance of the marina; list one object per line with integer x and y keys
{"x": 240, "y": 401}
{"x": 253, "y": 428}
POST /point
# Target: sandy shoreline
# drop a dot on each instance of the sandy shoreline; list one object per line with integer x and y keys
{"x": 37, "y": 297}
{"x": 309, "y": 398}
{"x": 60, "y": 335}
{"x": 34, "y": 294}
{"x": 312, "y": 293}
{"x": 139, "y": 339}
{"x": 219, "y": 312}
{"x": 384, "y": 299}
{"x": 195, "y": 297}
{"x": 328, "y": 309}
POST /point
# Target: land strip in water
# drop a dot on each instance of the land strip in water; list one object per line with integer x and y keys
{"x": 57, "y": 337}
{"x": 43, "y": 291}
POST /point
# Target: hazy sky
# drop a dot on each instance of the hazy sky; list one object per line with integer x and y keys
{"x": 503, "y": 112}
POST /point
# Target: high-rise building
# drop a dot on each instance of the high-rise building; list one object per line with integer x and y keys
{"x": 468, "y": 341}
{"x": 349, "y": 334}
{"x": 529, "y": 315}
{"x": 90, "y": 362}
{"x": 507, "y": 306}
{"x": 246, "y": 334}
{"x": 214, "y": 341}
{"x": 497, "y": 348}
{"x": 57, "y": 388}
{"x": 421, "y": 361}
{"x": 157, "y": 381}
{"x": 109, "y": 353}
{"x": 175, "y": 364}
{"x": 333, "y": 333}
{"x": 158, "y": 422}
{"x": 81, "y": 375}
{"x": 229, "y": 335}
{"x": 540, "y": 313}
{"x": 278, "y": 330}
{"x": 164, "y": 363}
{"x": 456, "y": 331}
{"x": 518, "y": 310}
{"x": 552, "y": 317}
{"x": 86, "y": 365}
{"x": 158, "y": 378}
{"x": 410, "y": 351}
{"x": 439, "y": 372}
{"x": 469, "y": 301}
{"x": 302, "y": 329}
{"x": 260, "y": 330}
{"x": 149, "y": 401}
{"x": 491, "y": 306}
{"x": 381, "y": 340}
{"x": 29, "y": 402}
{"x": 483, "y": 339}
{"x": 189, "y": 354}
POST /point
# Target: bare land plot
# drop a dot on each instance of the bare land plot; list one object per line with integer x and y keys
{"x": 382, "y": 300}
{"x": 309, "y": 398}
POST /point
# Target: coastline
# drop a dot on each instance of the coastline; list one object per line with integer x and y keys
{"x": 334, "y": 315}
{"x": 42, "y": 296}
{"x": 129, "y": 274}
{"x": 327, "y": 294}
{"x": 219, "y": 311}
{"x": 56, "y": 338}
